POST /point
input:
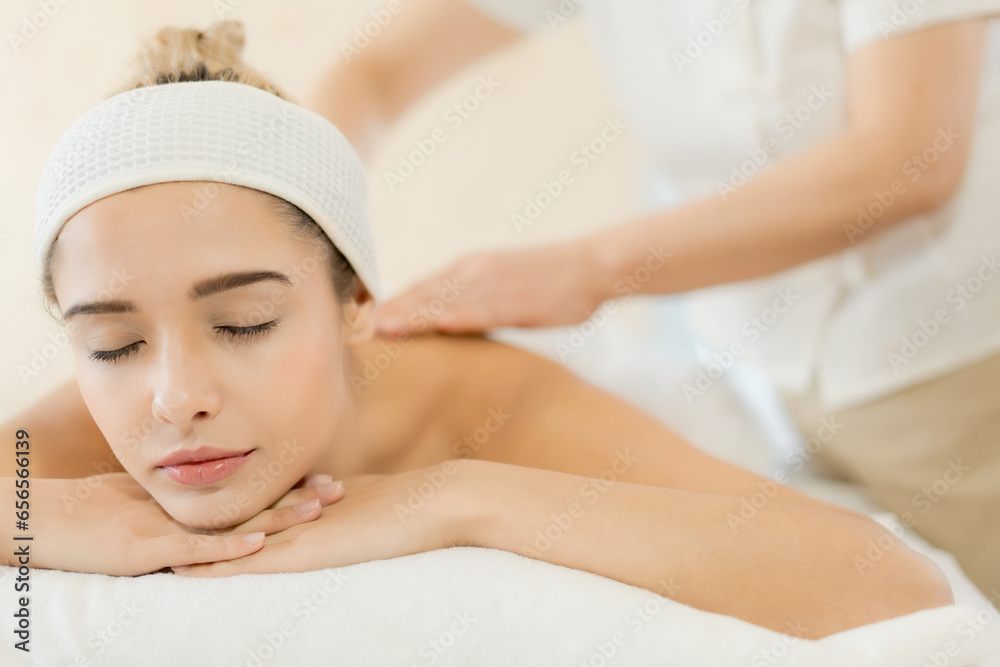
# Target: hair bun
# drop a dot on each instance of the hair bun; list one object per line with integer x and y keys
{"x": 188, "y": 54}
{"x": 218, "y": 47}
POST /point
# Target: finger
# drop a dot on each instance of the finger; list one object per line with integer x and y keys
{"x": 275, "y": 521}
{"x": 275, "y": 558}
{"x": 188, "y": 548}
{"x": 328, "y": 492}
{"x": 393, "y": 317}
{"x": 317, "y": 480}
{"x": 458, "y": 320}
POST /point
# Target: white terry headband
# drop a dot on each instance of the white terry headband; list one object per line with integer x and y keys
{"x": 210, "y": 131}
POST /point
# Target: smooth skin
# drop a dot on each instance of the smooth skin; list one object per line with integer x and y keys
{"x": 901, "y": 93}
{"x": 454, "y": 441}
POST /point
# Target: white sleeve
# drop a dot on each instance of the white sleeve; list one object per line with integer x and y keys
{"x": 867, "y": 21}
{"x": 527, "y": 15}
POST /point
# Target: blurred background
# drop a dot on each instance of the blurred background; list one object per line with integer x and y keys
{"x": 551, "y": 98}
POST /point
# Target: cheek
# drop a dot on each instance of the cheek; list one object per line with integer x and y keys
{"x": 297, "y": 401}
{"x": 123, "y": 422}
{"x": 305, "y": 381}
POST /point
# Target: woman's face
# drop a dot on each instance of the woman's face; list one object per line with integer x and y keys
{"x": 204, "y": 324}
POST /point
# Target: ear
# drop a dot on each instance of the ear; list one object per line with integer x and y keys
{"x": 359, "y": 317}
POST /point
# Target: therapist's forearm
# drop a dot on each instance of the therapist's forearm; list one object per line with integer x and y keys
{"x": 803, "y": 208}
{"x": 791, "y": 567}
{"x": 347, "y": 95}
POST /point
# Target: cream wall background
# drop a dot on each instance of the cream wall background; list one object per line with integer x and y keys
{"x": 551, "y": 99}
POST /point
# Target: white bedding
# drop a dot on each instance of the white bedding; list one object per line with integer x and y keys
{"x": 460, "y": 606}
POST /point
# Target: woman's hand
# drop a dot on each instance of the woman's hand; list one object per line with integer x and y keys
{"x": 379, "y": 517}
{"x": 109, "y": 524}
{"x": 549, "y": 286}
{"x": 303, "y": 502}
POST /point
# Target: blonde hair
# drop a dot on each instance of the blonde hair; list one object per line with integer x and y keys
{"x": 216, "y": 54}
{"x": 187, "y": 54}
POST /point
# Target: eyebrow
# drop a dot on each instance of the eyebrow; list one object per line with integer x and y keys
{"x": 200, "y": 290}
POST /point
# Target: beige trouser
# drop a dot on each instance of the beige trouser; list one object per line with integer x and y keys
{"x": 930, "y": 453}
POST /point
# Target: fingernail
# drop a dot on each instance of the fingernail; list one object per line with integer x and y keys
{"x": 180, "y": 568}
{"x": 316, "y": 480}
{"x": 331, "y": 488}
{"x": 308, "y": 506}
{"x": 253, "y": 538}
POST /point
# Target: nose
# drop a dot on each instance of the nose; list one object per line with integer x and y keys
{"x": 184, "y": 391}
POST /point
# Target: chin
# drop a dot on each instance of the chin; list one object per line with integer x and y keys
{"x": 214, "y": 512}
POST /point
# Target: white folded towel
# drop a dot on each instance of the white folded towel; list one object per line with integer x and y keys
{"x": 459, "y": 606}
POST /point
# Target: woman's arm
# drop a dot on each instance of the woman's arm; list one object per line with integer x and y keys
{"x": 586, "y": 480}
{"x": 907, "y": 95}
{"x": 802, "y": 570}
{"x": 364, "y": 90}
{"x": 65, "y": 440}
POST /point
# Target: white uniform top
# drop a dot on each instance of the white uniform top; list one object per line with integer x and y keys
{"x": 720, "y": 89}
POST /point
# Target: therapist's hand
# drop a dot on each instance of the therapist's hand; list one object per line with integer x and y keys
{"x": 547, "y": 286}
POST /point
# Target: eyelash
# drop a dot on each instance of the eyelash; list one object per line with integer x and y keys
{"x": 248, "y": 333}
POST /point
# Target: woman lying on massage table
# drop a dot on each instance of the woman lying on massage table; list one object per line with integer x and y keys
{"x": 226, "y": 374}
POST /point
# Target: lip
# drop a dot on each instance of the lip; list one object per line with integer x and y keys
{"x": 196, "y": 467}
{"x": 198, "y": 455}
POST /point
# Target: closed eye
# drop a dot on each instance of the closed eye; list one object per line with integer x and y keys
{"x": 247, "y": 333}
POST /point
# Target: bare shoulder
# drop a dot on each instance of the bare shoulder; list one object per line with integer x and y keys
{"x": 453, "y": 372}
{"x": 508, "y": 405}
{"x": 65, "y": 440}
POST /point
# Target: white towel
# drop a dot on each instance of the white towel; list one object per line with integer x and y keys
{"x": 459, "y": 606}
